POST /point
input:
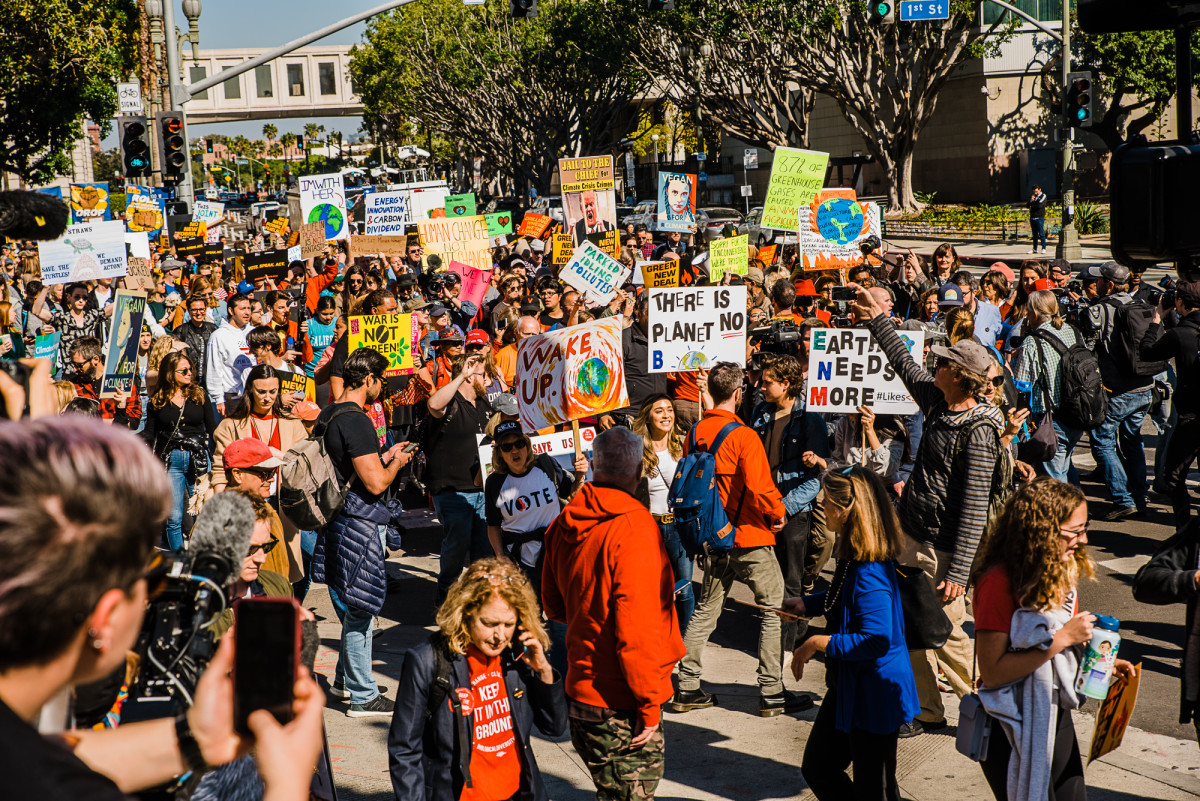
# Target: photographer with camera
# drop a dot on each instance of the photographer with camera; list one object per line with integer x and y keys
{"x": 83, "y": 505}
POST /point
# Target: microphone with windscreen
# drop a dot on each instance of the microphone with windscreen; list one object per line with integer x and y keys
{"x": 32, "y": 215}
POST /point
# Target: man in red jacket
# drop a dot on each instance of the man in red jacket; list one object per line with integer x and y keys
{"x": 606, "y": 575}
{"x": 755, "y": 507}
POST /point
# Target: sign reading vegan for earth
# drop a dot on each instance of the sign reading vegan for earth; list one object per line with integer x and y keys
{"x": 694, "y": 328}
{"x": 847, "y": 370}
{"x": 392, "y": 335}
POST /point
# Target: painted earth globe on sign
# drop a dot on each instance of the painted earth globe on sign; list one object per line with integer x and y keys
{"x": 693, "y": 360}
{"x": 594, "y": 377}
{"x": 840, "y": 220}
{"x": 331, "y": 216}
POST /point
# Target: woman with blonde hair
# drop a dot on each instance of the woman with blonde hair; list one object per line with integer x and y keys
{"x": 872, "y": 692}
{"x": 12, "y": 341}
{"x": 960, "y": 324}
{"x": 470, "y": 695}
{"x": 1029, "y": 632}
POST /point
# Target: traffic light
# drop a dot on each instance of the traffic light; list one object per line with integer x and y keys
{"x": 208, "y": 145}
{"x": 660, "y": 5}
{"x": 523, "y": 9}
{"x": 883, "y": 12}
{"x": 1079, "y": 102}
{"x": 135, "y": 146}
{"x": 172, "y": 149}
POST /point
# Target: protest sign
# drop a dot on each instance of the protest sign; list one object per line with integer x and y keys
{"x": 766, "y": 254}
{"x": 462, "y": 239}
{"x": 84, "y": 252}
{"x": 121, "y": 362}
{"x": 393, "y": 335}
{"x": 474, "y": 282}
{"x": 534, "y": 225}
{"x": 293, "y": 254}
{"x": 385, "y": 213}
{"x": 561, "y": 249}
{"x": 213, "y": 251}
{"x": 696, "y": 327}
{"x": 276, "y": 226}
{"x": 660, "y": 274}
{"x": 45, "y": 346}
{"x": 588, "y": 201}
{"x": 499, "y": 223}
{"x": 559, "y": 446}
{"x": 1114, "y": 714}
{"x": 796, "y": 176}
{"x": 140, "y": 275}
{"x": 728, "y": 256}
{"x": 138, "y": 244}
{"x": 193, "y": 230}
{"x": 145, "y": 209}
{"x": 847, "y": 370}
{"x": 312, "y": 239}
{"x": 211, "y": 215}
{"x": 594, "y": 273}
{"x": 571, "y": 373}
{"x": 387, "y": 245}
{"x": 192, "y": 246}
{"x": 323, "y": 199}
{"x": 265, "y": 264}
{"x": 676, "y": 202}
{"x": 460, "y": 205}
{"x": 297, "y": 382}
{"x": 831, "y": 228}
{"x": 607, "y": 241}
{"x": 89, "y": 202}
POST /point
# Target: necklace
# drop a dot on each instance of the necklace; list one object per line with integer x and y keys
{"x": 839, "y": 579}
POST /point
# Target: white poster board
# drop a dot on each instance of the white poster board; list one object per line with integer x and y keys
{"x": 323, "y": 199}
{"x": 846, "y": 369}
{"x": 693, "y": 328}
{"x": 560, "y": 445}
{"x": 594, "y": 273}
{"x": 386, "y": 213}
{"x": 84, "y": 253}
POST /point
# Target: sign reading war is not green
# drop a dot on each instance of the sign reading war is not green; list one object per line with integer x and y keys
{"x": 730, "y": 255}
{"x": 796, "y": 177}
{"x": 499, "y": 223}
{"x": 460, "y": 205}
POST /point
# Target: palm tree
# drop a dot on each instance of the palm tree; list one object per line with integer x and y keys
{"x": 270, "y": 132}
{"x": 288, "y": 140}
{"x": 276, "y": 151}
{"x": 311, "y": 131}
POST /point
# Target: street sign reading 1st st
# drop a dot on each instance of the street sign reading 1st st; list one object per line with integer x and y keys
{"x": 924, "y": 10}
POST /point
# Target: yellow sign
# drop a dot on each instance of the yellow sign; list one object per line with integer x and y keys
{"x": 660, "y": 274}
{"x": 385, "y": 244}
{"x": 461, "y": 239}
{"x": 145, "y": 216}
{"x": 297, "y": 382}
{"x": 730, "y": 255}
{"x": 276, "y": 226}
{"x": 561, "y": 249}
{"x": 1113, "y": 716}
{"x": 796, "y": 176}
{"x": 192, "y": 230}
{"x": 582, "y": 175}
{"x": 393, "y": 335}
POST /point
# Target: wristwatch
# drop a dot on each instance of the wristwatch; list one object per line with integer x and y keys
{"x": 189, "y": 749}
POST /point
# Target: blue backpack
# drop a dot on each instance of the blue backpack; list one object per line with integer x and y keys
{"x": 695, "y": 503}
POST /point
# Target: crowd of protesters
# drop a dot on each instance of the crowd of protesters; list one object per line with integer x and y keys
{"x": 996, "y": 391}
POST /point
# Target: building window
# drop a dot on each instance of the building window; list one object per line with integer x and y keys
{"x": 1041, "y": 10}
{"x": 262, "y": 77}
{"x": 196, "y": 75}
{"x": 295, "y": 78}
{"x": 328, "y": 79}
{"x": 233, "y": 88}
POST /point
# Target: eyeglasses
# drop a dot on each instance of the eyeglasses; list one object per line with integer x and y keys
{"x": 183, "y": 370}
{"x": 509, "y": 447}
{"x": 265, "y": 547}
{"x": 77, "y": 296}
{"x": 998, "y": 381}
{"x": 496, "y": 580}
{"x": 79, "y": 365}
{"x": 1073, "y": 533}
{"x": 476, "y": 346}
{"x": 262, "y": 473}
{"x": 546, "y": 292}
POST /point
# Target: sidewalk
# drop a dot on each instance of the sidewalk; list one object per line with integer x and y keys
{"x": 727, "y": 752}
{"x": 981, "y": 254}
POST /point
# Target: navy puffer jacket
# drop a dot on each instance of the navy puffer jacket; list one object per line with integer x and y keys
{"x": 349, "y": 556}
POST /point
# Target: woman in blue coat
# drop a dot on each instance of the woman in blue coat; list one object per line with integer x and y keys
{"x": 870, "y": 680}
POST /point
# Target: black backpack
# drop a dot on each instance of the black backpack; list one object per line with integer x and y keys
{"x": 1083, "y": 401}
{"x": 1130, "y": 323}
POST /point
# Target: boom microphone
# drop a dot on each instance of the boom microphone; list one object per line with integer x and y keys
{"x": 220, "y": 541}
{"x": 32, "y": 215}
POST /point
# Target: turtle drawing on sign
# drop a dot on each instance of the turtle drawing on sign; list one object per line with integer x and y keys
{"x": 86, "y": 267}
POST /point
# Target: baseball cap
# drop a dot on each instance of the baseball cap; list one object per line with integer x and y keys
{"x": 950, "y": 295}
{"x": 1004, "y": 270}
{"x": 1044, "y": 283}
{"x": 1117, "y": 273}
{"x": 437, "y": 310}
{"x": 531, "y": 305}
{"x": 416, "y": 304}
{"x": 538, "y": 246}
{"x": 506, "y": 404}
{"x": 1089, "y": 273}
{"x": 755, "y": 276}
{"x": 806, "y": 288}
{"x": 507, "y": 428}
{"x": 452, "y": 335}
{"x": 306, "y": 410}
{"x": 477, "y": 336}
{"x": 248, "y": 452}
{"x": 172, "y": 264}
{"x": 405, "y": 281}
{"x": 1062, "y": 265}
{"x": 245, "y": 287}
{"x": 966, "y": 353}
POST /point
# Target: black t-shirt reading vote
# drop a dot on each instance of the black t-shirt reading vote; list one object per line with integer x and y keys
{"x": 349, "y": 436}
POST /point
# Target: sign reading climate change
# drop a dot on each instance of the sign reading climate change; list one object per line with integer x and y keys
{"x": 832, "y": 226}
{"x": 796, "y": 176}
{"x": 386, "y": 213}
{"x": 694, "y": 328}
{"x": 323, "y": 199}
{"x": 847, "y": 370}
{"x": 571, "y": 373}
{"x": 84, "y": 253}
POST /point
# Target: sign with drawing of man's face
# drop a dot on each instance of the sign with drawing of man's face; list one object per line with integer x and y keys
{"x": 676, "y": 201}
{"x": 589, "y": 202}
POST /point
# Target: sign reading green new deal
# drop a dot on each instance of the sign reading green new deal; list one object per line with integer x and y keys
{"x": 323, "y": 199}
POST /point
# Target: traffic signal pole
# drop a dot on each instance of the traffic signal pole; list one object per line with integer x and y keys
{"x": 186, "y": 189}
{"x": 1068, "y": 237}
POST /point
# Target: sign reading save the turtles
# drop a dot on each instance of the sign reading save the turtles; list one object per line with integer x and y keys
{"x": 323, "y": 199}
{"x": 393, "y": 335}
{"x": 831, "y": 228}
{"x": 84, "y": 252}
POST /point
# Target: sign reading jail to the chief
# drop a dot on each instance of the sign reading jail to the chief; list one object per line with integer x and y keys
{"x": 846, "y": 369}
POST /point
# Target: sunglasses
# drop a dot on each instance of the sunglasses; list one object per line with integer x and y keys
{"x": 495, "y": 580}
{"x": 184, "y": 371}
{"x": 79, "y": 365}
{"x": 509, "y": 447}
{"x": 265, "y": 547}
{"x": 998, "y": 381}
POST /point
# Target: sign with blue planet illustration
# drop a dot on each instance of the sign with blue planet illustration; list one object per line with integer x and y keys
{"x": 831, "y": 228}
{"x": 696, "y": 327}
{"x": 323, "y": 200}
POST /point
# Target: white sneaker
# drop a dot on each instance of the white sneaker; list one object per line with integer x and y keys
{"x": 1033, "y": 252}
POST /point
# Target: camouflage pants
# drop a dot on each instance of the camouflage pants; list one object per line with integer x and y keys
{"x": 601, "y": 738}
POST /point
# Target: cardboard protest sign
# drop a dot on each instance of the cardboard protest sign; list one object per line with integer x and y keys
{"x": 139, "y": 275}
{"x": 499, "y": 223}
{"x": 45, "y": 346}
{"x": 831, "y": 228}
{"x": 138, "y": 244}
{"x": 265, "y": 264}
{"x": 89, "y": 202}
{"x": 594, "y": 273}
{"x": 660, "y": 274}
{"x": 312, "y": 239}
{"x": 767, "y": 254}
{"x": 192, "y": 246}
{"x": 588, "y": 200}
{"x": 561, "y": 249}
{"x": 462, "y": 239}
{"x": 796, "y": 176}
{"x": 120, "y": 364}
{"x": 84, "y": 252}
{"x": 696, "y": 327}
{"x": 385, "y": 213}
{"x": 387, "y": 245}
{"x": 534, "y": 225}
{"x": 474, "y": 282}
{"x": 570, "y": 374}
{"x": 847, "y": 370}
{"x": 1112, "y": 719}
{"x": 730, "y": 255}
{"x": 323, "y": 199}
{"x": 276, "y": 226}
{"x": 559, "y": 446}
{"x": 211, "y": 215}
{"x": 460, "y": 205}
{"x": 676, "y": 202}
{"x": 297, "y": 382}
{"x": 393, "y": 335}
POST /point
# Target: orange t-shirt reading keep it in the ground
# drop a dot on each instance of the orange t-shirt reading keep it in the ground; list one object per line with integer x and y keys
{"x": 495, "y": 763}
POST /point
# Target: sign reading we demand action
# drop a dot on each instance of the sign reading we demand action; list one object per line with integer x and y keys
{"x": 847, "y": 370}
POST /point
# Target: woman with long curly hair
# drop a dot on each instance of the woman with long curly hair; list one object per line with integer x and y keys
{"x": 1029, "y": 634}
{"x": 486, "y": 666}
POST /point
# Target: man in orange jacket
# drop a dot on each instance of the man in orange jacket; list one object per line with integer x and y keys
{"x": 606, "y": 575}
{"x": 755, "y": 507}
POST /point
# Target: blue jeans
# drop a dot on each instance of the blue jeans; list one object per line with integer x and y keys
{"x": 464, "y": 535}
{"x": 353, "y": 670}
{"x": 1124, "y": 470}
{"x": 178, "y": 464}
{"x": 1038, "y": 226}
{"x": 308, "y": 545}
{"x": 1061, "y": 467}
{"x": 681, "y": 567}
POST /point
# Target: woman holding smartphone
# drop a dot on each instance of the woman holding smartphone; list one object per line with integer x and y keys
{"x": 451, "y": 739}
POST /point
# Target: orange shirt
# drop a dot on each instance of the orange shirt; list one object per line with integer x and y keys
{"x": 506, "y": 363}
{"x": 495, "y": 761}
{"x": 683, "y": 386}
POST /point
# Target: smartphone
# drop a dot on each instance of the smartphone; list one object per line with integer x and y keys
{"x": 843, "y": 294}
{"x": 516, "y": 648}
{"x": 410, "y": 447}
{"x": 264, "y": 667}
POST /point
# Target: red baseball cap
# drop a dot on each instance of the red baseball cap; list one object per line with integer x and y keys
{"x": 1004, "y": 270}
{"x": 806, "y": 288}
{"x": 306, "y": 410}
{"x": 248, "y": 452}
{"x": 476, "y": 336}
{"x": 1044, "y": 283}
